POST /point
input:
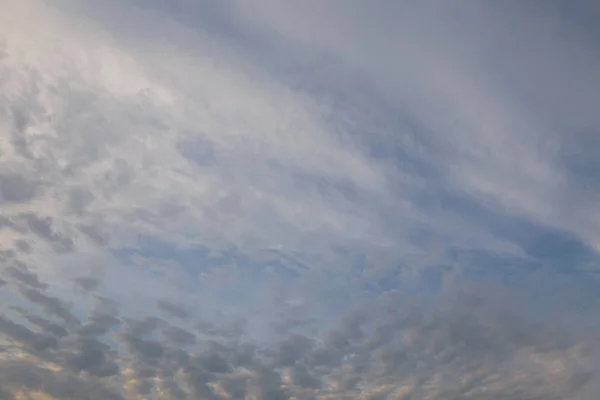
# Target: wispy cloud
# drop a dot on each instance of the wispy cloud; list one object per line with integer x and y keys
{"x": 298, "y": 200}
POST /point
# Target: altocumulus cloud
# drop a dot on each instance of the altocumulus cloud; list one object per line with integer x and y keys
{"x": 299, "y": 200}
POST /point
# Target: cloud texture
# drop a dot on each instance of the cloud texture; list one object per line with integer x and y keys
{"x": 299, "y": 200}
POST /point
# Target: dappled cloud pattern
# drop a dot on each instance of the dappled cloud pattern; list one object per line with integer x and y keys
{"x": 462, "y": 346}
{"x": 299, "y": 200}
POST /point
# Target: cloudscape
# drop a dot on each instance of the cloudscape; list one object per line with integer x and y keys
{"x": 303, "y": 200}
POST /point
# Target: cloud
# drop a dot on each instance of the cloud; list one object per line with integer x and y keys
{"x": 47, "y": 326}
{"x": 15, "y": 188}
{"x": 49, "y": 304}
{"x": 298, "y": 201}
{"x": 23, "y": 377}
{"x": 467, "y": 341}
{"x": 34, "y": 342}
{"x": 43, "y": 227}
{"x": 87, "y": 283}
{"x": 22, "y": 274}
{"x": 92, "y": 356}
{"x": 99, "y": 324}
{"x": 171, "y": 309}
{"x": 179, "y": 336}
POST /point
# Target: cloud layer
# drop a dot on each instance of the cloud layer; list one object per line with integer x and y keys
{"x": 299, "y": 200}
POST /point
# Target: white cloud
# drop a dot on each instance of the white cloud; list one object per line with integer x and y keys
{"x": 499, "y": 88}
{"x": 112, "y": 119}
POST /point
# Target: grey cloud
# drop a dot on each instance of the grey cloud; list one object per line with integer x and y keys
{"x": 213, "y": 360}
{"x": 304, "y": 378}
{"x": 235, "y": 386}
{"x": 6, "y": 222}
{"x": 293, "y": 349}
{"x": 244, "y": 355}
{"x": 231, "y": 331}
{"x": 7, "y": 254}
{"x": 172, "y": 210}
{"x": 120, "y": 175}
{"x": 15, "y": 188}
{"x": 175, "y": 358}
{"x": 267, "y": 385}
{"x": 6, "y": 395}
{"x": 92, "y": 356}
{"x": 95, "y": 233}
{"x": 196, "y": 380}
{"x": 172, "y": 309}
{"x": 141, "y": 327}
{"x": 99, "y": 324}
{"x": 22, "y": 246}
{"x": 393, "y": 345}
{"x": 105, "y": 305}
{"x": 22, "y": 274}
{"x": 449, "y": 342}
{"x": 197, "y": 371}
{"x": 17, "y": 375}
{"x": 179, "y": 336}
{"x": 87, "y": 282}
{"x": 102, "y": 319}
{"x": 33, "y": 341}
{"x": 20, "y": 120}
{"x": 349, "y": 331}
{"x": 44, "y": 228}
{"x": 196, "y": 150}
{"x": 324, "y": 357}
{"x": 49, "y": 304}
{"x": 79, "y": 199}
{"x": 144, "y": 387}
{"x": 143, "y": 370}
{"x": 47, "y": 326}
{"x": 172, "y": 388}
{"x": 148, "y": 351}
{"x": 439, "y": 352}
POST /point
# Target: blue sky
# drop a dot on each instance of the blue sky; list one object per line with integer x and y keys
{"x": 299, "y": 200}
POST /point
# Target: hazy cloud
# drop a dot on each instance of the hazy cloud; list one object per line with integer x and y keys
{"x": 22, "y": 274}
{"x": 302, "y": 200}
{"x": 172, "y": 309}
{"x": 43, "y": 227}
{"x": 51, "y": 305}
{"x": 99, "y": 323}
{"x": 92, "y": 356}
{"x": 87, "y": 282}
{"x": 16, "y": 188}
{"x": 47, "y": 326}
{"x": 179, "y": 336}
{"x": 32, "y": 341}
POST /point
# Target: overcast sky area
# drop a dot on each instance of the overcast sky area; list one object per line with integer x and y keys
{"x": 303, "y": 200}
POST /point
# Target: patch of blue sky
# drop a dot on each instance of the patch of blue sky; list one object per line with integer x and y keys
{"x": 197, "y": 259}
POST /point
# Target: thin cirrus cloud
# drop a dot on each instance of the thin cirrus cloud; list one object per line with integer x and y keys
{"x": 302, "y": 200}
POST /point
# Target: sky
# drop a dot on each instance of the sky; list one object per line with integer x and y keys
{"x": 303, "y": 200}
